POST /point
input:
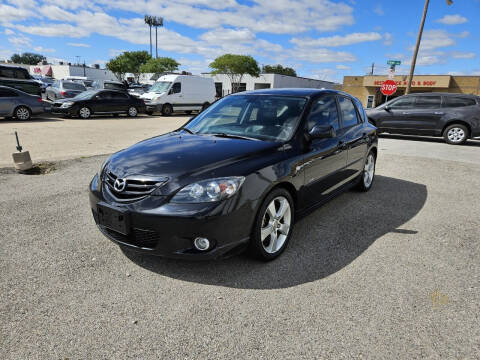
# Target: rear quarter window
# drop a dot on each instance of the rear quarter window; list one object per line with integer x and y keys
{"x": 453, "y": 102}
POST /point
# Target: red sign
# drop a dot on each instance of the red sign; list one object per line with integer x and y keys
{"x": 388, "y": 87}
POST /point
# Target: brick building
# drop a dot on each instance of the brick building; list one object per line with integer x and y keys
{"x": 367, "y": 88}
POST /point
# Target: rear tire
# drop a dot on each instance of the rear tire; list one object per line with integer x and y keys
{"x": 368, "y": 174}
{"x": 22, "y": 113}
{"x": 167, "y": 110}
{"x": 456, "y": 134}
{"x": 273, "y": 226}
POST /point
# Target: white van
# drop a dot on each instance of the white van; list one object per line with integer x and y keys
{"x": 179, "y": 93}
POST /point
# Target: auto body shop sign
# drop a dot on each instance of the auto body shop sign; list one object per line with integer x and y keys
{"x": 426, "y": 81}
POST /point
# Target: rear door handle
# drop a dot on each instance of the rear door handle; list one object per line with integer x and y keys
{"x": 405, "y": 113}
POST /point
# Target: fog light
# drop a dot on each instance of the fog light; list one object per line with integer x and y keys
{"x": 201, "y": 244}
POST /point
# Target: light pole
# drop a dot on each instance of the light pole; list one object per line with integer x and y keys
{"x": 148, "y": 21}
{"x": 417, "y": 45}
{"x": 156, "y": 22}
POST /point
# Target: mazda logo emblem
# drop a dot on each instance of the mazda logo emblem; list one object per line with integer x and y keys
{"x": 119, "y": 185}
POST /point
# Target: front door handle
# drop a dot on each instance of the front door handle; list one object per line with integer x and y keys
{"x": 405, "y": 113}
{"x": 438, "y": 113}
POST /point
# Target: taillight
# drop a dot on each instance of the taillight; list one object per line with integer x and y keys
{"x": 63, "y": 92}
{"x": 40, "y": 99}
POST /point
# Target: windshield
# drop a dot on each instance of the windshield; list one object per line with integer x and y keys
{"x": 73, "y": 86}
{"x": 160, "y": 86}
{"x": 264, "y": 117}
{"x": 85, "y": 95}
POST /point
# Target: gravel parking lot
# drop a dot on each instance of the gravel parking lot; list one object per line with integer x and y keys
{"x": 392, "y": 273}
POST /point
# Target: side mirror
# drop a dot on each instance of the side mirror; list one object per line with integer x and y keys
{"x": 387, "y": 108}
{"x": 170, "y": 92}
{"x": 97, "y": 97}
{"x": 322, "y": 132}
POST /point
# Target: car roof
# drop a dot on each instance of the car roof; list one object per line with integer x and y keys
{"x": 440, "y": 94}
{"x": 293, "y": 92}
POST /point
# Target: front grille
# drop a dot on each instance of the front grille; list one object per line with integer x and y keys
{"x": 140, "y": 238}
{"x": 135, "y": 188}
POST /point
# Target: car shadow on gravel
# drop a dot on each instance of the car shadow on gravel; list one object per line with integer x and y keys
{"x": 323, "y": 242}
{"x": 470, "y": 142}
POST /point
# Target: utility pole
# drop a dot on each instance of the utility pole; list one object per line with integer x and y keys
{"x": 156, "y": 43}
{"x": 149, "y": 22}
{"x": 373, "y": 67}
{"x": 417, "y": 45}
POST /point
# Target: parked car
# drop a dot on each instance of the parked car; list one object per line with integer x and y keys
{"x": 109, "y": 85}
{"x": 18, "y": 77}
{"x": 19, "y": 104}
{"x": 456, "y": 117}
{"x": 237, "y": 175}
{"x": 63, "y": 89}
{"x": 138, "y": 89}
{"x": 94, "y": 102}
{"x": 179, "y": 93}
{"x": 43, "y": 81}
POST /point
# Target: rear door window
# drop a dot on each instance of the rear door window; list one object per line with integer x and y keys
{"x": 428, "y": 102}
{"x": 21, "y": 74}
{"x": 452, "y": 101}
{"x": 6, "y": 73}
{"x": 349, "y": 113}
{"x": 116, "y": 95}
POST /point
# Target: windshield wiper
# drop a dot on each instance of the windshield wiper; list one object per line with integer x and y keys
{"x": 232, "y": 136}
{"x": 187, "y": 130}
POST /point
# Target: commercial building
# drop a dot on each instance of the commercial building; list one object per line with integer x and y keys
{"x": 266, "y": 81}
{"x": 367, "y": 88}
{"x": 61, "y": 71}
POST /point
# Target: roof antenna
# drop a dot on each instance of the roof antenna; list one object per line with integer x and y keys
{"x": 19, "y": 147}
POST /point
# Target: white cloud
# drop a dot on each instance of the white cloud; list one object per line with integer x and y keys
{"x": 9, "y": 32}
{"x": 20, "y": 40}
{"x": 41, "y": 49}
{"x": 337, "y": 40}
{"x": 434, "y": 39}
{"x": 325, "y": 74}
{"x": 343, "y": 67}
{"x": 452, "y": 19}
{"x": 320, "y": 55}
{"x": 379, "y": 10}
{"x": 462, "y": 55}
{"x": 78, "y": 45}
{"x": 387, "y": 39}
{"x": 222, "y": 35}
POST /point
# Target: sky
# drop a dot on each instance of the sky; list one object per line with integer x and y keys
{"x": 323, "y": 39}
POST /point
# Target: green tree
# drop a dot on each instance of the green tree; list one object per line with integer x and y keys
{"x": 235, "y": 67}
{"x": 27, "y": 58}
{"x": 159, "y": 65}
{"x": 128, "y": 62}
{"x": 278, "y": 69}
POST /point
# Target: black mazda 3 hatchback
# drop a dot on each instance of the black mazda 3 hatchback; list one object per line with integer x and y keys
{"x": 237, "y": 175}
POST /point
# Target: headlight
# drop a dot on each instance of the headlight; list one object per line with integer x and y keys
{"x": 102, "y": 168}
{"x": 66, "y": 104}
{"x": 209, "y": 190}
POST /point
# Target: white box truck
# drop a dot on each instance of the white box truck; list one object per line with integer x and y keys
{"x": 184, "y": 93}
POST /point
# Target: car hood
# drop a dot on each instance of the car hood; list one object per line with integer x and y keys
{"x": 151, "y": 95}
{"x": 176, "y": 155}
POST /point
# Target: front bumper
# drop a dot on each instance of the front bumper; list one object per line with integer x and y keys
{"x": 158, "y": 227}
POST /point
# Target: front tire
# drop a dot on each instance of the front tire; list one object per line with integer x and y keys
{"x": 22, "y": 113}
{"x": 368, "y": 173}
{"x": 456, "y": 134}
{"x": 167, "y": 110}
{"x": 84, "y": 112}
{"x": 132, "y": 111}
{"x": 273, "y": 227}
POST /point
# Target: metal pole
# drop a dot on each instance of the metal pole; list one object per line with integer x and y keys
{"x": 156, "y": 42}
{"x": 417, "y": 45}
{"x": 150, "y": 39}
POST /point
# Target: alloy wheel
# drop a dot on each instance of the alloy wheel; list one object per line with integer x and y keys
{"x": 22, "y": 113}
{"x": 132, "y": 111}
{"x": 369, "y": 170}
{"x": 276, "y": 224}
{"x": 456, "y": 135}
{"x": 84, "y": 113}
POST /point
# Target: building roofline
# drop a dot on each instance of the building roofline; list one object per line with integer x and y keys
{"x": 295, "y": 77}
